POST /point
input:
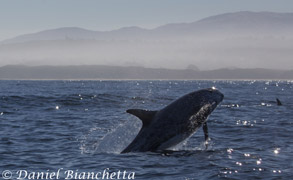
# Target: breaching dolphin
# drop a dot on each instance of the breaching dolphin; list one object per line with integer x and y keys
{"x": 179, "y": 120}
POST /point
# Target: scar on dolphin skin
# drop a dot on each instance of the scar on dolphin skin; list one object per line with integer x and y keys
{"x": 176, "y": 122}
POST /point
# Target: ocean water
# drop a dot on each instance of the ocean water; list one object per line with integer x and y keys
{"x": 74, "y": 128}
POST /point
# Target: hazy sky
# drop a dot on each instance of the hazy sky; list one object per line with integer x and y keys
{"x": 27, "y": 16}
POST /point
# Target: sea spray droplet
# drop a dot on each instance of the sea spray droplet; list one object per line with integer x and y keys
{"x": 277, "y": 150}
{"x": 230, "y": 150}
{"x": 239, "y": 163}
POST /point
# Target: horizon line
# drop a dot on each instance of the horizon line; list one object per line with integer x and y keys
{"x": 137, "y": 66}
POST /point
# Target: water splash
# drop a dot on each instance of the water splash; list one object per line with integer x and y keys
{"x": 116, "y": 140}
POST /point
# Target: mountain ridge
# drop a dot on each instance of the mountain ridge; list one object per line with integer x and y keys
{"x": 237, "y": 19}
{"x": 241, "y": 39}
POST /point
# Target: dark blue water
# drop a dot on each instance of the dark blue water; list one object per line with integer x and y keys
{"x": 82, "y": 126}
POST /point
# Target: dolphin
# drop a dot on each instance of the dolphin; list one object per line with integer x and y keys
{"x": 176, "y": 122}
{"x": 278, "y": 102}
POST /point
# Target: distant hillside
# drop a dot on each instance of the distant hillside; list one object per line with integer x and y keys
{"x": 115, "y": 72}
{"x": 240, "y": 39}
{"x": 239, "y": 22}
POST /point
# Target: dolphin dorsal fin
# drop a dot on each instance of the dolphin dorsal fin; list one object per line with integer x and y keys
{"x": 278, "y": 102}
{"x": 145, "y": 115}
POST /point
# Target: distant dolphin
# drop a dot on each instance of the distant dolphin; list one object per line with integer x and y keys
{"x": 278, "y": 102}
{"x": 174, "y": 123}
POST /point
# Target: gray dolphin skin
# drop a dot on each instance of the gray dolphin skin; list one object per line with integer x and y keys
{"x": 174, "y": 123}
